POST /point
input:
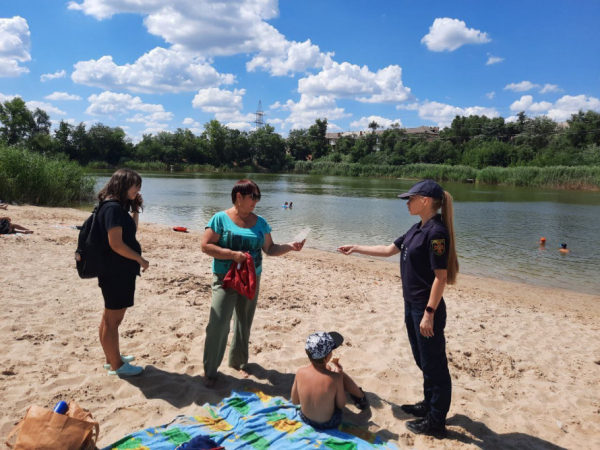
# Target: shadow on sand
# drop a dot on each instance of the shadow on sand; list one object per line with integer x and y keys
{"x": 483, "y": 437}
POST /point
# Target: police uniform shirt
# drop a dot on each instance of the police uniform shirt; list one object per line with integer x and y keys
{"x": 422, "y": 250}
{"x": 111, "y": 215}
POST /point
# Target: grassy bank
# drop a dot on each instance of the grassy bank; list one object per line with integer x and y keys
{"x": 578, "y": 177}
{"x": 575, "y": 177}
{"x": 28, "y": 177}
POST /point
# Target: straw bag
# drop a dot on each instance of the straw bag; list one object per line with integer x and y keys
{"x": 46, "y": 430}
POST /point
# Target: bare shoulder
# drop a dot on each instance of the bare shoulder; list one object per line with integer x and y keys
{"x": 302, "y": 370}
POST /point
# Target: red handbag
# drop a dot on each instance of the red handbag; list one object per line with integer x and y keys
{"x": 242, "y": 277}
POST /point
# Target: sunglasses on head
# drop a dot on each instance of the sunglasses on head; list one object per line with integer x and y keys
{"x": 254, "y": 196}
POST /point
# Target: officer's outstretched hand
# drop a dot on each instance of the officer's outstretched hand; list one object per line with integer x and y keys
{"x": 346, "y": 249}
{"x": 426, "y": 326}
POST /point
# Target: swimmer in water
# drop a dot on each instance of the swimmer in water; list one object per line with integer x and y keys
{"x": 563, "y": 248}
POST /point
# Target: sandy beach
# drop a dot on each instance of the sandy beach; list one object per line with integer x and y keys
{"x": 525, "y": 360}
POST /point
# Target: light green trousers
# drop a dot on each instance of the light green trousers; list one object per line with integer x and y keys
{"x": 226, "y": 303}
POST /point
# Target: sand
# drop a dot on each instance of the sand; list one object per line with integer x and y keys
{"x": 525, "y": 360}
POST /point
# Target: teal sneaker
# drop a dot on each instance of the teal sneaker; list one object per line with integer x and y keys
{"x": 127, "y": 370}
{"x": 125, "y": 359}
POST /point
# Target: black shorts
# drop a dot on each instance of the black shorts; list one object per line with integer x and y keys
{"x": 118, "y": 290}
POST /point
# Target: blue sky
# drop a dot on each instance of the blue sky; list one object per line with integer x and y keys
{"x": 152, "y": 65}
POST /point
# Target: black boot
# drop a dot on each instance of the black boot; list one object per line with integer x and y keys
{"x": 360, "y": 402}
{"x": 427, "y": 426}
{"x": 418, "y": 409}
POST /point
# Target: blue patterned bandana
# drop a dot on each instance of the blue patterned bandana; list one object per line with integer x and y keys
{"x": 320, "y": 344}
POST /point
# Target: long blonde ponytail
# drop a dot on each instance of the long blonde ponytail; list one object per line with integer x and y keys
{"x": 448, "y": 219}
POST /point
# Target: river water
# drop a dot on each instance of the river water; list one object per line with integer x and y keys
{"x": 497, "y": 228}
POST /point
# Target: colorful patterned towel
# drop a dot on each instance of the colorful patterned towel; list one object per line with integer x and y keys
{"x": 253, "y": 421}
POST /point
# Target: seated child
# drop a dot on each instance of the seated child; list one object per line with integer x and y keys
{"x": 320, "y": 388}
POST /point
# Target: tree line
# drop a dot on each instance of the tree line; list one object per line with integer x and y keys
{"x": 475, "y": 141}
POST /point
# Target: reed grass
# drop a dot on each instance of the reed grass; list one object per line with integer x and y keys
{"x": 575, "y": 177}
{"x": 417, "y": 171}
{"x": 29, "y": 177}
{"x": 566, "y": 177}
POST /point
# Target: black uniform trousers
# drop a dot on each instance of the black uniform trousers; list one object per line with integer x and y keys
{"x": 430, "y": 356}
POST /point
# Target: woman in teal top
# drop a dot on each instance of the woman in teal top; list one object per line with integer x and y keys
{"x": 228, "y": 236}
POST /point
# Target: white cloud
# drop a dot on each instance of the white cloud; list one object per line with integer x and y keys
{"x": 212, "y": 28}
{"x": 4, "y": 97}
{"x": 526, "y": 103}
{"x": 347, "y": 80}
{"x": 153, "y": 118}
{"x": 491, "y": 95}
{"x": 293, "y": 57}
{"x": 154, "y": 128}
{"x": 242, "y": 126}
{"x": 493, "y": 60}
{"x": 206, "y": 26}
{"x": 569, "y": 105}
{"x": 62, "y": 96}
{"x": 192, "y": 125}
{"x": 363, "y": 122}
{"x": 235, "y": 116}
{"x": 304, "y": 112}
{"x": 15, "y": 41}
{"x": 449, "y": 34}
{"x": 160, "y": 70}
{"x": 409, "y": 106}
{"x": 32, "y": 105}
{"x": 443, "y": 114}
{"x": 214, "y": 100}
{"x": 188, "y": 121}
{"x": 109, "y": 103}
{"x": 523, "y": 86}
{"x": 53, "y": 76}
{"x": 550, "y": 88}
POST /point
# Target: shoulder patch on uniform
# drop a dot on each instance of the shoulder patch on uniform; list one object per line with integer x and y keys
{"x": 438, "y": 246}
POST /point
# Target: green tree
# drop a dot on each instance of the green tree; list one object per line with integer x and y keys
{"x": 318, "y": 139}
{"x": 268, "y": 148}
{"x": 216, "y": 135}
{"x": 298, "y": 144}
{"x": 17, "y": 121}
{"x": 584, "y": 128}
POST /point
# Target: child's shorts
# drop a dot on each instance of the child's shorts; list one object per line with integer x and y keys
{"x": 334, "y": 422}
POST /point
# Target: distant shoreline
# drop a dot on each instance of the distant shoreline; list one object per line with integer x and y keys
{"x": 554, "y": 177}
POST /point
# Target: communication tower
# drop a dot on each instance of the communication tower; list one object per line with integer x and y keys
{"x": 260, "y": 117}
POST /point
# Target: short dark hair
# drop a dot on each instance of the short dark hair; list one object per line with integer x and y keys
{"x": 316, "y": 361}
{"x": 118, "y": 185}
{"x": 244, "y": 187}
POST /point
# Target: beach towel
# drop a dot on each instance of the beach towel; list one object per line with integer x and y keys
{"x": 252, "y": 421}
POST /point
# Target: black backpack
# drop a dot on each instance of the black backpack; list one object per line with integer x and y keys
{"x": 91, "y": 256}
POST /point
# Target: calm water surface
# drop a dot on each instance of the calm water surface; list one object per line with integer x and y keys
{"x": 497, "y": 228}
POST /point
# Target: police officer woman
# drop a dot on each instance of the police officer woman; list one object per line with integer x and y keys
{"x": 428, "y": 262}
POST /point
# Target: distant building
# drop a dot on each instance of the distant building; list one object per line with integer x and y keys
{"x": 429, "y": 133}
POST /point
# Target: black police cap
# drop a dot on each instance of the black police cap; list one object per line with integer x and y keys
{"x": 426, "y": 188}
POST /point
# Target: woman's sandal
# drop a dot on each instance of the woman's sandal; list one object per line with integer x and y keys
{"x": 360, "y": 402}
{"x": 125, "y": 359}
